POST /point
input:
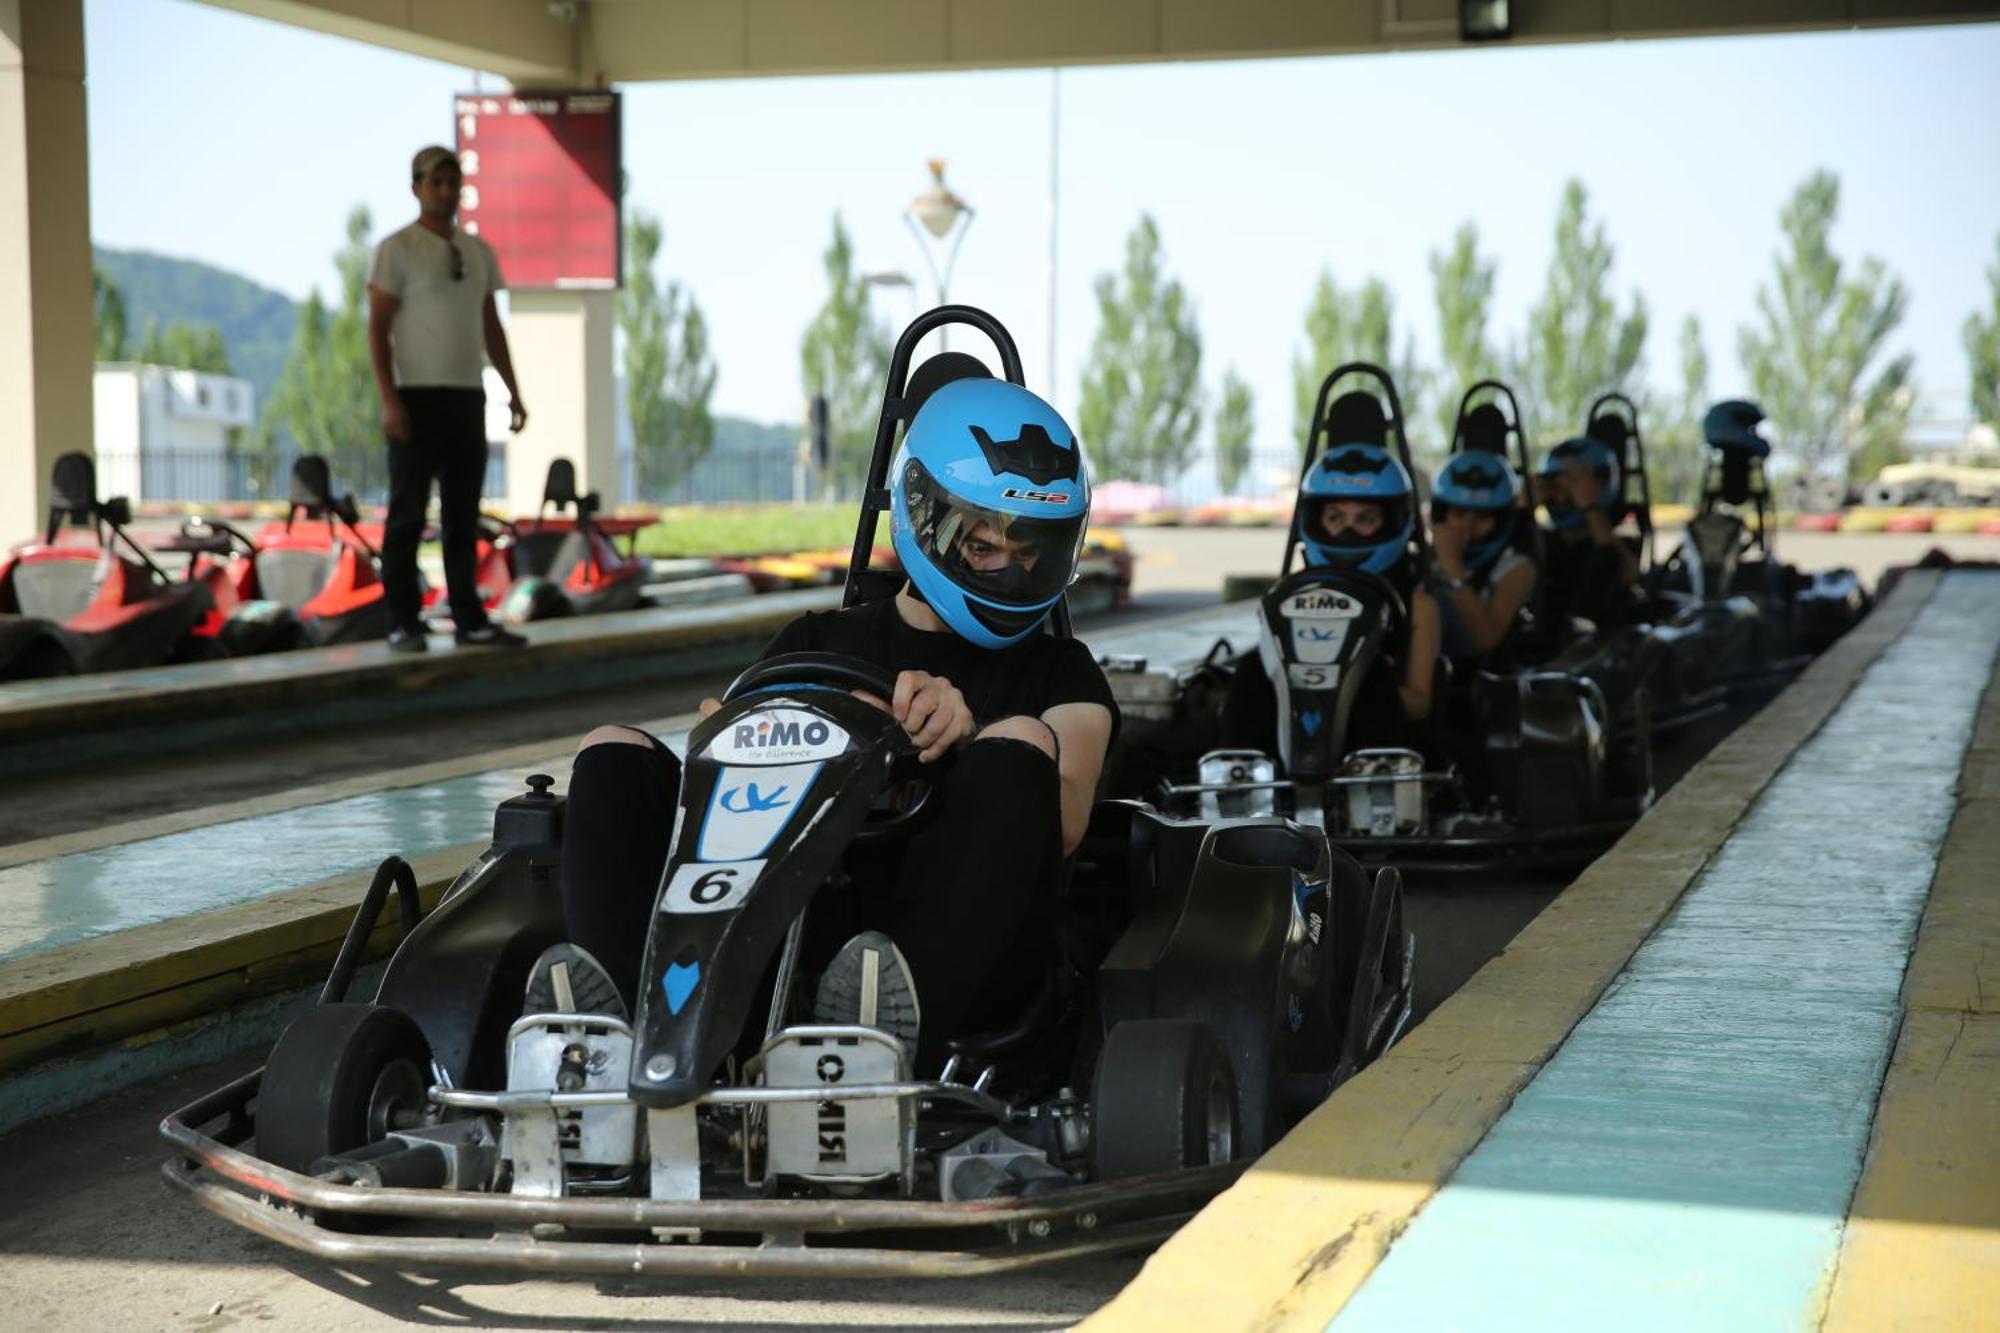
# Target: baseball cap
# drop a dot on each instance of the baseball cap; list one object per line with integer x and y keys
{"x": 430, "y": 159}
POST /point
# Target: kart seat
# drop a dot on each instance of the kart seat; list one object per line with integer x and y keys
{"x": 73, "y": 489}
{"x": 1485, "y": 430}
{"x": 1356, "y": 418}
{"x": 549, "y": 555}
{"x": 311, "y": 486}
{"x": 54, "y": 589}
{"x": 293, "y": 577}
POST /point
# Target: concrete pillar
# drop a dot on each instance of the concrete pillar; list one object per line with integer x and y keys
{"x": 45, "y": 300}
{"x": 561, "y": 341}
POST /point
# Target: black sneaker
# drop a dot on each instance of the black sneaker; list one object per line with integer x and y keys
{"x": 567, "y": 980}
{"x": 408, "y": 641}
{"x": 868, "y": 984}
{"x": 489, "y": 635}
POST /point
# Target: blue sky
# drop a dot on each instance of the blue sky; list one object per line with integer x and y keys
{"x": 246, "y": 145}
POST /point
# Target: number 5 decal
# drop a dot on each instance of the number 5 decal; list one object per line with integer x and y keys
{"x": 710, "y": 886}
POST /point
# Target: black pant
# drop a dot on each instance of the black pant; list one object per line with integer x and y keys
{"x": 447, "y": 444}
{"x": 953, "y": 897}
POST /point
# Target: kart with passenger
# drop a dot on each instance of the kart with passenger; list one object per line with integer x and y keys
{"x": 1193, "y": 986}
{"x": 1510, "y": 765}
{"x": 87, "y": 596}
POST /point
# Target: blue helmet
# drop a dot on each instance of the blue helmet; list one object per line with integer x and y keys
{"x": 1593, "y": 454}
{"x": 1483, "y": 482}
{"x": 1732, "y": 424}
{"x": 990, "y": 499}
{"x": 1357, "y": 472}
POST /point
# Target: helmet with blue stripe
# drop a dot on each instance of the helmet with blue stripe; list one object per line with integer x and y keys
{"x": 990, "y": 500}
{"x": 1485, "y": 484}
{"x": 1594, "y": 455}
{"x": 1351, "y": 473}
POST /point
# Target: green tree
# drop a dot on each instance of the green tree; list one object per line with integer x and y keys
{"x": 669, "y": 372}
{"x": 1982, "y": 349}
{"x": 1462, "y": 282}
{"x": 845, "y": 355}
{"x": 111, "y": 317}
{"x": 1141, "y": 404}
{"x": 184, "y": 346}
{"x": 1343, "y": 326}
{"x": 325, "y": 397}
{"x": 1819, "y": 331}
{"x": 1674, "y": 446}
{"x": 1235, "y": 423}
{"x": 1578, "y": 343}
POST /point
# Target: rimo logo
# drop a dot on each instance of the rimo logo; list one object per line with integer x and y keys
{"x": 768, "y": 734}
{"x": 778, "y": 735}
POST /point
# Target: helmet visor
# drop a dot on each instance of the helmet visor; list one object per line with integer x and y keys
{"x": 1011, "y": 560}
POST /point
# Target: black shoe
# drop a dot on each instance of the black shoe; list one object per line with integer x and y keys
{"x": 408, "y": 641}
{"x": 489, "y": 635}
{"x": 868, "y": 984}
{"x": 567, "y": 980}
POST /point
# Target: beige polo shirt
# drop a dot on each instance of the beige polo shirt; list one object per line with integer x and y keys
{"x": 437, "y": 337}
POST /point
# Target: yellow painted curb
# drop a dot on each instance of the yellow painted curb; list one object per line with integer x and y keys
{"x": 1922, "y": 1245}
{"x": 1290, "y": 1243}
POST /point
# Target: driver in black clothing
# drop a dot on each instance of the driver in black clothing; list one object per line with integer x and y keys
{"x": 990, "y": 498}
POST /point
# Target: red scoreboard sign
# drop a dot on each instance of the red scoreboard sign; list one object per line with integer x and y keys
{"x": 542, "y": 184}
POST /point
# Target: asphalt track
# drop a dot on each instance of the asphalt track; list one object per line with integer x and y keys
{"x": 91, "y": 1238}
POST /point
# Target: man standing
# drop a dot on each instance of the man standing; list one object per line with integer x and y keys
{"x": 430, "y": 315}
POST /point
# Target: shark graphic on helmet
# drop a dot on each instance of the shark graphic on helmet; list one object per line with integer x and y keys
{"x": 1032, "y": 454}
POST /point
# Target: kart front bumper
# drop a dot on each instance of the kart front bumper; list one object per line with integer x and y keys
{"x": 737, "y": 1237}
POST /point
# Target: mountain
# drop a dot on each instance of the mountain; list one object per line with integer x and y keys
{"x": 256, "y": 322}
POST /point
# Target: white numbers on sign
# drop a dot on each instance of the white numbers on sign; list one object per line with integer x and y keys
{"x": 469, "y": 197}
{"x": 471, "y": 227}
{"x": 468, "y": 162}
{"x": 710, "y": 886}
{"x": 468, "y": 127}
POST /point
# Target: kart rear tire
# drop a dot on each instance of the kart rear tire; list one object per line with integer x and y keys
{"x": 341, "y": 1076}
{"x": 1164, "y": 1100}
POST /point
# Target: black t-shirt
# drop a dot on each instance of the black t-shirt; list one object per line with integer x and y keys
{"x": 1029, "y": 677}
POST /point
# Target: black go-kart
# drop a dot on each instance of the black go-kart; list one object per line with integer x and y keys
{"x": 1718, "y": 625}
{"x": 1201, "y": 983}
{"x": 1522, "y": 767}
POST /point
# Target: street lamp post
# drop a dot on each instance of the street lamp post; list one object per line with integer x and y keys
{"x": 940, "y": 215}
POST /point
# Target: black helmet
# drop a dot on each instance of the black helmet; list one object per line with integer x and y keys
{"x": 1732, "y": 425}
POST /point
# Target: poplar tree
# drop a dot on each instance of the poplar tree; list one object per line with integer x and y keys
{"x": 669, "y": 371}
{"x": 1141, "y": 404}
{"x": 1462, "y": 282}
{"x": 1982, "y": 349}
{"x": 1578, "y": 344}
{"x": 1343, "y": 326}
{"x": 1235, "y": 423}
{"x": 1820, "y": 330}
{"x": 845, "y": 356}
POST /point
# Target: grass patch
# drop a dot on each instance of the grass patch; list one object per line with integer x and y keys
{"x": 699, "y": 530}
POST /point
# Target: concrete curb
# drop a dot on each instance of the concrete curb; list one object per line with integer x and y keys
{"x": 1290, "y": 1243}
{"x": 1922, "y": 1244}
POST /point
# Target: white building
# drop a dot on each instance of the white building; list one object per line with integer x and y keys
{"x": 163, "y": 434}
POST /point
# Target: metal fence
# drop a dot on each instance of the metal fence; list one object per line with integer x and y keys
{"x": 221, "y": 476}
{"x": 739, "y": 476}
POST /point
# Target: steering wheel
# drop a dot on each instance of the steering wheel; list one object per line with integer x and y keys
{"x": 832, "y": 670}
{"x": 838, "y": 672}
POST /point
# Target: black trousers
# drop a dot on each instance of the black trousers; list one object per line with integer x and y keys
{"x": 447, "y": 445}
{"x": 954, "y": 896}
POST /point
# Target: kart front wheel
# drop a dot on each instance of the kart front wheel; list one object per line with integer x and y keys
{"x": 341, "y": 1076}
{"x": 1164, "y": 1100}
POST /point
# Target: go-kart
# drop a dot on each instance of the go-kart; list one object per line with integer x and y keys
{"x": 542, "y": 567}
{"x": 314, "y": 578}
{"x": 1200, "y": 983}
{"x": 1729, "y": 556}
{"x": 1524, "y": 766}
{"x": 87, "y": 596}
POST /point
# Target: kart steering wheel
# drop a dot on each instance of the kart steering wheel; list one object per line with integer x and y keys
{"x": 831, "y": 670}
{"x": 838, "y": 672}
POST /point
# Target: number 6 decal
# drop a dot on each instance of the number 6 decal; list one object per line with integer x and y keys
{"x": 710, "y": 886}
